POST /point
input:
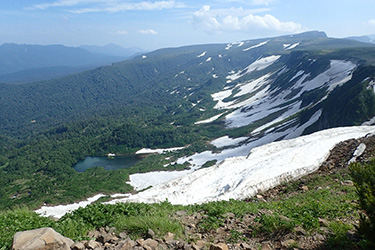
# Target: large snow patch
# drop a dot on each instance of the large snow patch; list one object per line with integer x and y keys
{"x": 240, "y": 177}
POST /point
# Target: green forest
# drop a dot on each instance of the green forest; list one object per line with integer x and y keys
{"x": 47, "y": 127}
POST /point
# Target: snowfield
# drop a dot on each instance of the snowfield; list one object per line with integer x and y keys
{"x": 256, "y": 46}
{"x": 273, "y": 153}
{"x": 157, "y": 151}
{"x": 237, "y": 177}
{"x": 60, "y": 210}
{"x": 242, "y": 177}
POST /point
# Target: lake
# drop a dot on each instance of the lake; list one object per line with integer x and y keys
{"x": 108, "y": 163}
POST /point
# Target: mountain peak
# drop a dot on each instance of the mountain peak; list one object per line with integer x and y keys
{"x": 310, "y": 35}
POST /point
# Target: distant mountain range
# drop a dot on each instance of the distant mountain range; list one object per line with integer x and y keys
{"x": 27, "y": 63}
{"x": 113, "y": 50}
{"x": 270, "y": 72}
{"x": 364, "y": 39}
{"x": 216, "y": 100}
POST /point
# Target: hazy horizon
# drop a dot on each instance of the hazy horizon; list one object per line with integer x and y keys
{"x": 156, "y": 24}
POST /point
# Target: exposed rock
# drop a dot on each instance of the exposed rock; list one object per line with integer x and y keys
{"x": 124, "y": 245}
{"x": 219, "y": 246}
{"x": 168, "y": 237}
{"x": 41, "y": 239}
{"x": 150, "y": 243}
{"x": 123, "y": 235}
{"x": 151, "y": 233}
{"x": 288, "y": 243}
{"x": 78, "y": 246}
{"x": 181, "y": 213}
{"x": 201, "y": 244}
{"x": 347, "y": 183}
{"x": 246, "y": 246}
{"x": 266, "y": 246}
{"x": 92, "y": 244}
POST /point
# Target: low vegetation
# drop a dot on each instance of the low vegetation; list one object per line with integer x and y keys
{"x": 364, "y": 177}
{"x": 319, "y": 204}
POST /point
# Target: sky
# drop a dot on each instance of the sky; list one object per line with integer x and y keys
{"x": 157, "y": 24}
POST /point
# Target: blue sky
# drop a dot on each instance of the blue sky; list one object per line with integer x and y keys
{"x": 157, "y": 24}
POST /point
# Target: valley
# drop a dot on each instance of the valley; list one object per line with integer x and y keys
{"x": 213, "y": 102}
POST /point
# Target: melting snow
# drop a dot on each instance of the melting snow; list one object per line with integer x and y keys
{"x": 225, "y": 141}
{"x": 291, "y": 46}
{"x": 209, "y": 119}
{"x": 338, "y": 73}
{"x": 237, "y": 177}
{"x": 241, "y": 177}
{"x": 144, "y": 56}
{"x": 358, "y": 152}
{"x": 144, "y": 180}
{"x": 252, "y": 85}
{"x": 203, "y": 54}
{"x": 259, "y": 64}
{"x": 157, "y": 151}
{"x": 299, "y": 73}
{"x": 60, "y": 210}
{"x": 220, "y": 96}
{"x": 256, "y": 46}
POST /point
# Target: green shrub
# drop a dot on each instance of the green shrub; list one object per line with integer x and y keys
{"x": 273, "y": 225}
{"x": 137, "y": 226}
{"x": 364, "y": 181}
{"x": 101, "y": 215}
{"x": 338, "y": 238}
{"x": 20, "y": 219}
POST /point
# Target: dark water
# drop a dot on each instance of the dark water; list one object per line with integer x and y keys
{"x": 108, "y": 163}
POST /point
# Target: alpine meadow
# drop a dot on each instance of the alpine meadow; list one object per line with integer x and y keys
{"x": 252, "y": 144}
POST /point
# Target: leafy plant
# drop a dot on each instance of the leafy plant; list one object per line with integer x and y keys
{"x": 273, "y": 225}
{"x": 137, "y": 226}
{"x": 364, "y": 181}
{"x": 19, "y": 219}
{"x": 338, "y": 238}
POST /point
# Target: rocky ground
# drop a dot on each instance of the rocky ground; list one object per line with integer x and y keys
{"x": 238, "y": 232}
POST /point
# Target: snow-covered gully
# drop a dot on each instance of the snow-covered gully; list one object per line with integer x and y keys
{"x": 240, "y": 177}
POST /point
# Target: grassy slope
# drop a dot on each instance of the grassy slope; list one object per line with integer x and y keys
{"x": 316, "y": 211}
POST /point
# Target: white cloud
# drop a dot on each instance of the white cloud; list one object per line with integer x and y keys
{"x": 122, "y": 32}
{"x": 67, "y": 3}
{"x": 261, "y": 2}
{"x": 371, "y": 22}
{"x": 86, "y": 6}
{"x": 148, "y": 32}
{"x": 213, "y": 22}
{"x": 247, "y": 2}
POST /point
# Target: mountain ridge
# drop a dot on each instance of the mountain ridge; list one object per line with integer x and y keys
{"x": 20, "y": 61}
{"x": 242, "y": 94}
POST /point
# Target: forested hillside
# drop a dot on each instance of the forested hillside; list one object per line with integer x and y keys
{"x": 260, "y": 90}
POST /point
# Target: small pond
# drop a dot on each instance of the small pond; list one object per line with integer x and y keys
{"x": 108, "y": 163}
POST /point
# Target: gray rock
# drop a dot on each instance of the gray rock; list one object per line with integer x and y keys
{"x": 78, "y": 246}
{"x": 181, "y": 213}
{"x": 41, "y": 239}
{"x": 123, "y": 235}
{"x": 168, "y": 237}
{"x": 288, "y": 243}
{"x": 151, "y": 243}
{"x": 125, "y": 245}
{"x": 151, "y": 233}
{"x": 92, "y": 244}
{"x": 219, "y": 246}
